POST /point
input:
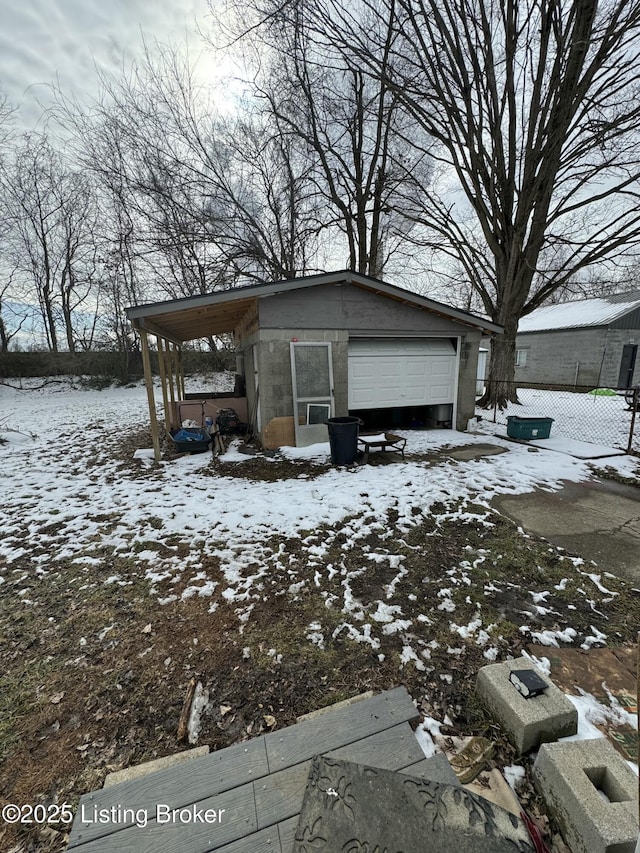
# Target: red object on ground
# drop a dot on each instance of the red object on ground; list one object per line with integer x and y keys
{"x": 535, "y": 834}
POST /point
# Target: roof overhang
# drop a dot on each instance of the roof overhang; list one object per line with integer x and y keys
{"x": 180, "y": 320}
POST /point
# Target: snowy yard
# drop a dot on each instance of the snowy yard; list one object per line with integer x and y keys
{"x": 279, "y": 584}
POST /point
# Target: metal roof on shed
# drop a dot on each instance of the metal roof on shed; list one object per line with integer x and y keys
{"x": 580, "y": 313}
{"x": 194, "y": 317}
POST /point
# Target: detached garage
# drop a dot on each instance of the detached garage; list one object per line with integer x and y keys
{"x": 330, "y": 345}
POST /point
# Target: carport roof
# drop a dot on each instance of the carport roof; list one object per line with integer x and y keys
{"x": 187, "y": 319}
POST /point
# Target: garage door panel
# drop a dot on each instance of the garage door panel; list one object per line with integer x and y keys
{"x": 405, "y": 373}
{"x": 416, "y": 368}
{"x": 439, "y": 394}
{"x": 388, "y": 395}
{"x": 390, "y": 370}
{"x": 441, "y": 368}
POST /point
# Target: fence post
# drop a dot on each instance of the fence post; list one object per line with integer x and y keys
{"x": 634, "y": 409}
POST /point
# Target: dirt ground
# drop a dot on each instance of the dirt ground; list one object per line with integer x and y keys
{"x": 73, "y": 709}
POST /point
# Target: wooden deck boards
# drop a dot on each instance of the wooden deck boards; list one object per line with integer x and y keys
{"x": 260, "y": 784}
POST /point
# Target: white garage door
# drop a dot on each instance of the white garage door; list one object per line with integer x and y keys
{"x": 413, "y": 372}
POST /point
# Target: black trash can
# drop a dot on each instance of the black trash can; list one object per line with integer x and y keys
{"x": 343, "y": 438}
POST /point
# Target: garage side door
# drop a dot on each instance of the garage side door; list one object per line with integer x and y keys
{"x": 384, "y": 373}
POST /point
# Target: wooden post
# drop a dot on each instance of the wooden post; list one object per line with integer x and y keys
{"x": 168, "y": 413}
{"x": 148, "y": 381}
{"x": 181, "y": 389}
{"x": 177, "y": 361}
{"x": 170, "y": 374}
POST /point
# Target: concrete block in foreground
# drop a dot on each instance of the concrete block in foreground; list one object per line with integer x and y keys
{"x": 527, "y": 722}
{"x": 593, "y": 794}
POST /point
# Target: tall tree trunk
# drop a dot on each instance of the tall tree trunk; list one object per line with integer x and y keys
{"x": 501, "y": 388}
{"x": 4, "y": 337}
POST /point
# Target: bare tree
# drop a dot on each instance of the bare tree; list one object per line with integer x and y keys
{"x": 12, "y": 319}
{"x": 51, "y": 219}
{"x": 535, "y": 106}
{"x": 7, "y": 124}
{"x": 349, "y": 127}
{"x": 212, "y": 200}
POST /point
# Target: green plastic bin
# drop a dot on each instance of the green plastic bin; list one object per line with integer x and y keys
{"x": 528, "y": 428}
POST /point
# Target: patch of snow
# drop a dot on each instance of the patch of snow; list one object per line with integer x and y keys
{"x": 144, "y": 453}
{"x": 207, "y": 589}
{"x": 315, "y": 634}
{"x": 105, "y": 631}
{"x": 409, "y": 656}
{"x": 396, "y": 627}
{"x": 515, "y": 775}
{"x": 198, "y": 707}
{"x": 363, "y": 636}
{"x": 596, "y": 580}
{"x": 313, "y": 452}
{"x": 596, "y": 637}
{"x": 386, "y": 612}
{"x": 543, "y": 664}
{"x": 427, "y": 744}
{"x": 550, "y": 638}
{"x": 232, "y": 454}
{"x": 466, "y": 631}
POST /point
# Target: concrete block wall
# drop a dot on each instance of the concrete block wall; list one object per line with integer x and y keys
{"x": 590, "y": 356}
{"x": 557, "y": 357}
{"x": 350, "y": 308}
{"x": 274, "y": 355}
{"x": 469, "y": 345}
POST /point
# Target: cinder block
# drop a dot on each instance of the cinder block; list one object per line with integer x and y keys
{"x": 593, "y": 794}
{"x": 527, "y": 722}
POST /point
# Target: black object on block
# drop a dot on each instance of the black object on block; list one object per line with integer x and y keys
{"x": 527, "y": 682}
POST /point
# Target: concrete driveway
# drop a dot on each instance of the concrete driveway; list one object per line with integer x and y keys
{"x": 596, "y": 521}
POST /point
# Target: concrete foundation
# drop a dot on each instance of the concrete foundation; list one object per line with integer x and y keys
{"x": 527, "y": 722}
{"x": 592, "y": 793}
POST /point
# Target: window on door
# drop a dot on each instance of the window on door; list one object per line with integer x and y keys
{"x": 312, "y": 379}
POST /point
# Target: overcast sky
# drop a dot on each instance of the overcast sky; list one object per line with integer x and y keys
{"x": 45, "y": 40}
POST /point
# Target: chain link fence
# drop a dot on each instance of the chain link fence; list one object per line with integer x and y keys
{"x": 598, "y": 416}
{"x": 634, "y": 428}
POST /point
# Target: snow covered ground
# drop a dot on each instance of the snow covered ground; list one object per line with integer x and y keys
{"x": 66, "y": 493}
{"x": 71, "y": 492}
{"x": 601, "y": 419}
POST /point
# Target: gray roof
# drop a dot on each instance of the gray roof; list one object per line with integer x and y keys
{"x": 581, "y": 313}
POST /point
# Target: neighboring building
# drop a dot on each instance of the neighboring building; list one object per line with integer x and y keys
{"x": 584, "y": 343}
{"x": 331, "y": 345}
{"x": 483, "y": 368}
